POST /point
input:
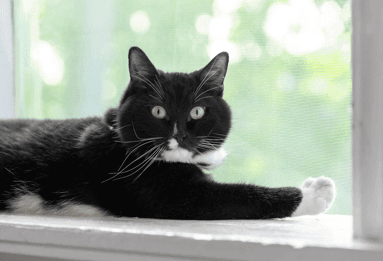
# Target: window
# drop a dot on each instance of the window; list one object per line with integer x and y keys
{"x": 143, "y": 240}
{"x": 288, "y": 83}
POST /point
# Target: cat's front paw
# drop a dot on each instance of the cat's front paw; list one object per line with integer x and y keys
{"x": 318, "y": 196}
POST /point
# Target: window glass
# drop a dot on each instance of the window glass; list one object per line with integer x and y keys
{"x": 288, "y": 83}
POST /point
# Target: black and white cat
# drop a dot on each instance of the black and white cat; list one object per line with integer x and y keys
{"x": 144, "y": 158}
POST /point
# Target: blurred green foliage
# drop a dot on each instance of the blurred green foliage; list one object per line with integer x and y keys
{"x": 291, "y": 106}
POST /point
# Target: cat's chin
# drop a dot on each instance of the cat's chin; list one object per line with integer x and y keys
{"x": 207, "y": 160}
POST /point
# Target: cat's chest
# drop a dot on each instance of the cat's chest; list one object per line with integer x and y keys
{"x": 207, "y": 160}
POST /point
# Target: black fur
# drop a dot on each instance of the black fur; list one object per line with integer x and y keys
{"x": 78, "y": 160}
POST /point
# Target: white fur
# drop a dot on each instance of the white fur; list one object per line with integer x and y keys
{"x": 79, "y": 210}
{"x": 213, "y": 158}
{"x": 318, "y": 196}
{"x": 177, "y": 154}
{"x": 32, "y": 204}
{"x": 29, "y": 204}
{"x": 173, "y": 144}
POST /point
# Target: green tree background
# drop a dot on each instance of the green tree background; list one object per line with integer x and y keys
{"x": 290, "y": 96}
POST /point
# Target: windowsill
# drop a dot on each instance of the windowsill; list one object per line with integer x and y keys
{"x": 325, "y": 237}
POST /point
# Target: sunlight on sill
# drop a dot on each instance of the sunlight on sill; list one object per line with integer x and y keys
{"x": 326, "y": 236}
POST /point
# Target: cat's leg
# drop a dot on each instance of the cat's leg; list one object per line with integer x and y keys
{"x": 184, "y": 192}
{"x": 194, "y": 197}
{"x": 318, "y": 196}
{"x": 223, "y": 201}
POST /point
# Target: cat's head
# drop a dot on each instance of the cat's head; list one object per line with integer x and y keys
{"x": 175, "y": 117}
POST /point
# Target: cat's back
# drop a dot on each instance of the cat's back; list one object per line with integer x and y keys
{"x": 10, "y": 127}
{"x": 28, "y": 127}
{"x": 25, "y": 135}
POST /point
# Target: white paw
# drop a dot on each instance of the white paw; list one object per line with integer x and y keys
{"x": 318, "y": 196}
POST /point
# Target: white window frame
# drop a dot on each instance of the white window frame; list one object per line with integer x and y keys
{"x": 7, "y": 103}
{"x": 142, "y": 239}
{"x": 367, "y": 131}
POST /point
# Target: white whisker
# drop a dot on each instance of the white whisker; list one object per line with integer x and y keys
{"x": 145, "y": 164}
{"x": 218, "y": 134}
{"x": 135, "y": 133}
{"x": 159, "y": 85}
{"x": 196, "y": 98}
{"x": 154, "y": 157}
{"x": 139, "y": 166}
{"x": 143, "y": 155}
{"x": 132, "y": 150}
{"x": 203, "y": 83}
{"x": 152, "y": 85}
{"x": 141, "y": 140}
{"x": 154, "y": 97}
{"x": 128, "y": 125}
{"x": 203, "y": 98}
{"x": 206, "y": 135}
{"x": 203, "y": 80}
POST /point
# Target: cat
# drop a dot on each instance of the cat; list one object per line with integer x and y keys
{"x": 145, "y": 158}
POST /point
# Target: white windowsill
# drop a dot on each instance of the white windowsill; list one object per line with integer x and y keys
{"x": 325, "y": 237}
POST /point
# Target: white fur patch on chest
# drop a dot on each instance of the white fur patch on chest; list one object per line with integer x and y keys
{"x": 212, "y": 159}
{"x": 32, "y": 204}
{"x": 176, "y": 153}
{"x": 207, "y": 160}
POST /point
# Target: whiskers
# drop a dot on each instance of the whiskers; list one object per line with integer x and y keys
{"x": 156, "y": 86}
{"x": 210, "y": 142}
{"x": 120, "y": 128}
{"x": 197, "y": 95}
{"x": 140, "y": 164}
{"x": 143, "y": 161}
{"x": 206, "y": 144}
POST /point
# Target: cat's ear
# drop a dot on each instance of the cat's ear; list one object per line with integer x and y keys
{"x": 215, "y": 71}
{"x": 140, "y": 67}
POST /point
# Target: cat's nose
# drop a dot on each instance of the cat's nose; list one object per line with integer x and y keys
{"x": 180, "y": 137}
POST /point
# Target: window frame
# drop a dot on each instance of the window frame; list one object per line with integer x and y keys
{"x": 7, "y": 104}
{"x": 367, "y": 132}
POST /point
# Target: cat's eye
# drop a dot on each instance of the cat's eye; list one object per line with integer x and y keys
{"x": 197, "y": 112}
{"x": 158, "y": 112}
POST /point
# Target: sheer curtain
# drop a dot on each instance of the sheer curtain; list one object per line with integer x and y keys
{"x": 288, "y": 83}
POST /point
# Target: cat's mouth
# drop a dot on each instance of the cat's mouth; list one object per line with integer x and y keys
{"x": 206, "y": 160}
